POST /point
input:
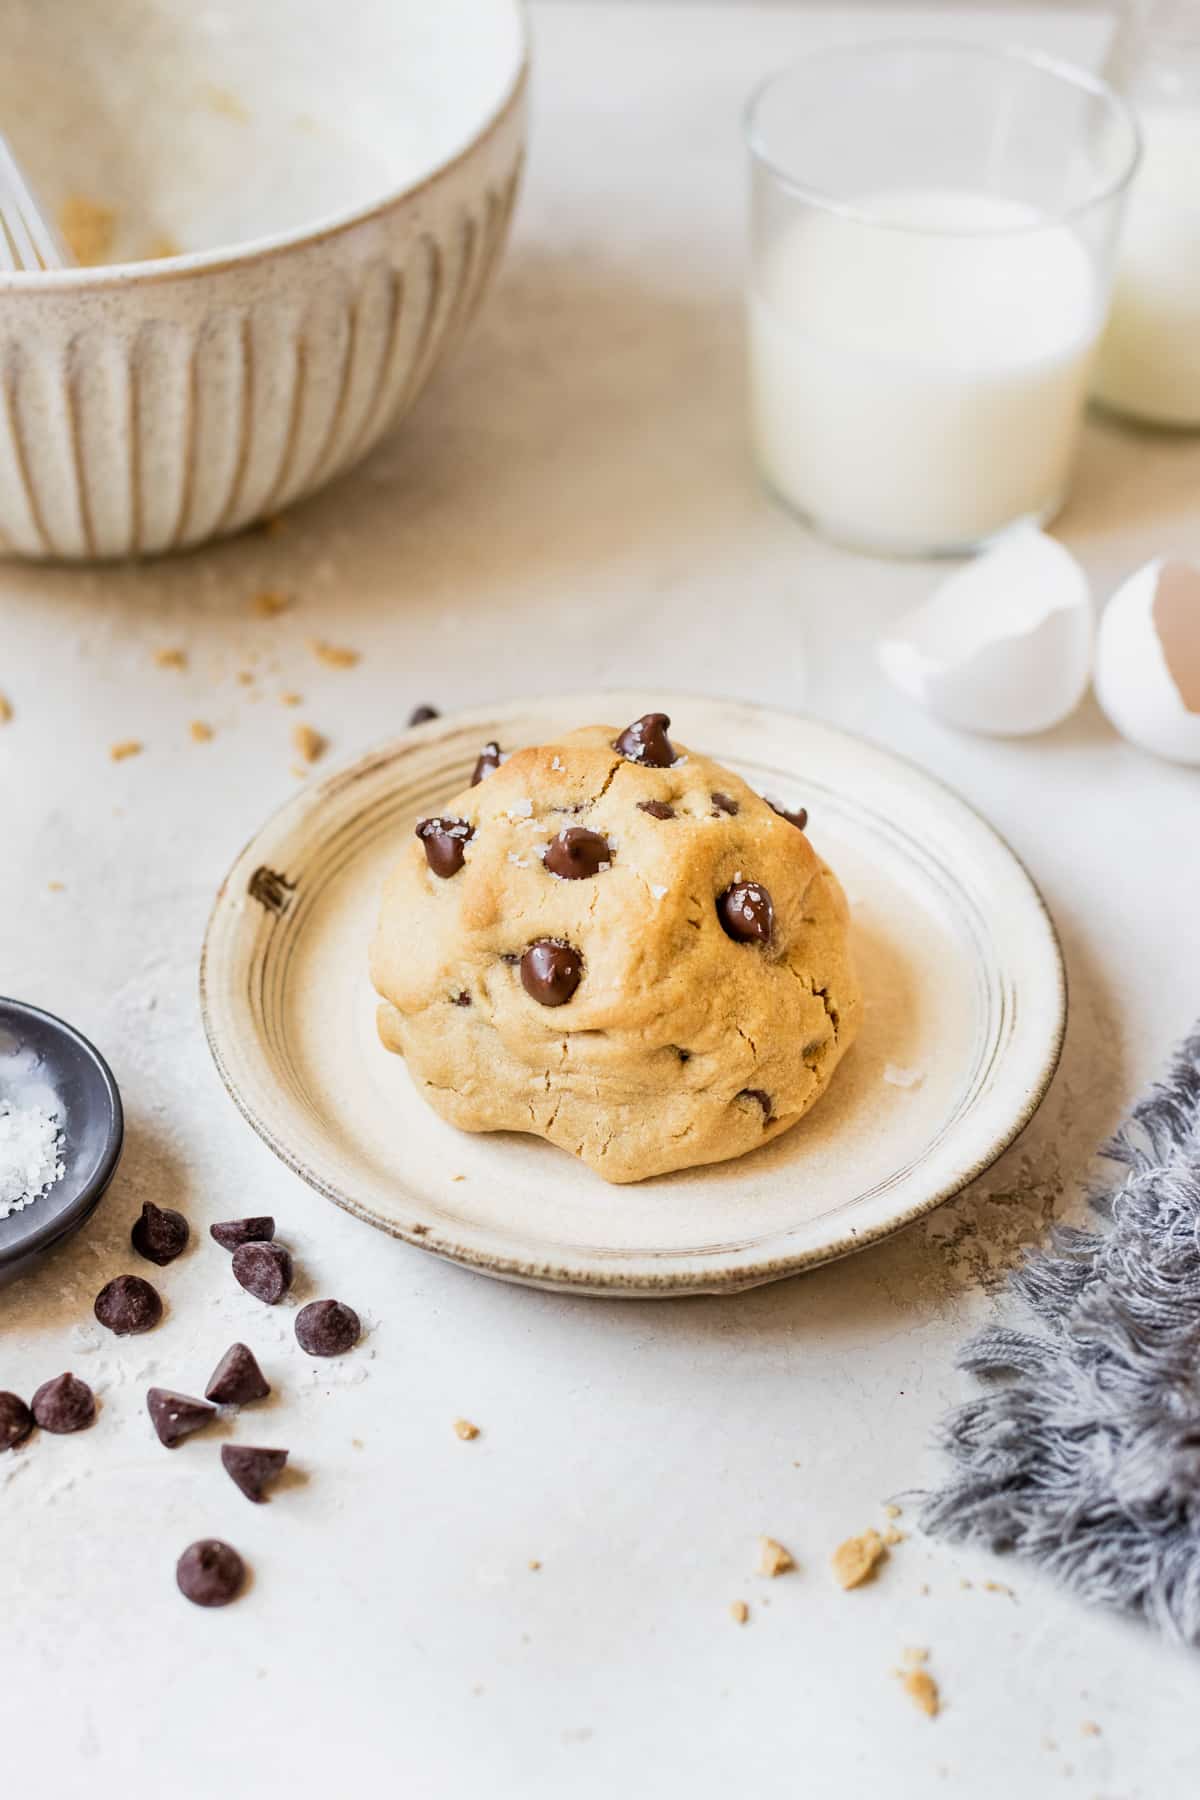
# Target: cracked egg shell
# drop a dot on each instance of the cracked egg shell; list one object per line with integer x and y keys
{"x": 1148, "y": 660}
{"x": 1001, "y": 646}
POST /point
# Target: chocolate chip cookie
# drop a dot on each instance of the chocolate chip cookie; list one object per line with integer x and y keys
{"x": 616, "y": 944}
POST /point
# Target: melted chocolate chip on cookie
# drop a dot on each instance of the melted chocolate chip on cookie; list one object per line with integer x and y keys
{"x": 658, "y": 809}
{"x": 722, "y": 803}
{"x": 128, "y": 1305}
{"x": 490, "y": 758}
{"x": 646, "y": 742}
{"x": 461, "y": 999}
{"x": 799, "y": 818}
{"x": 551, "y": 971}
{"x": 746, "y": 913}
{"x": 577, "y": 853}
{"x": 445, "y": 842}
{"x": 764, "y": 1100}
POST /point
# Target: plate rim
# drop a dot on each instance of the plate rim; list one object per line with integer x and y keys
{"x": 599, "y": 1282}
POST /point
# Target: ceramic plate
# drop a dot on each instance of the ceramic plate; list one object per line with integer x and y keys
{"x": 965, "y": 1011}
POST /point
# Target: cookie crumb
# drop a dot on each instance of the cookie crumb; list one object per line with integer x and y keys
{"x": 1089, "y": 1728}
{"x": 290, "y": 699}
{"x": 999, "y": 1587}
{"x": 534, "y": 1564}
{"x": 56, "y": 887}
{"x": 891, "y": 1536}
{"x": 892, "y": 1511}
{"x": 464, "y": 1429}
{"x": 773, "y": 1559}
{"x": 200, "y": 732}
{"x": 964, "y": 1583}
{"x": 6, "y": 711}
{"x": 856, "y": 1560}
{"x": 171, "y": 659}
{"x": 269, "y": 602}
{"x": 914, "y": 1653}
{"x": 88, "y": 228}
{"x": 245, "y": 677}
{"x": 309, "y": 742}
{"x": 337, "y": 656}
{"x": 126, "y": 747}
{"x": 924, "y": 1588}
{"x": 922, "y": 1690}
{"x": 739, "y": 1612}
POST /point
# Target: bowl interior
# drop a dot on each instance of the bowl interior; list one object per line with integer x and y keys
{"x": 210, "y": 125}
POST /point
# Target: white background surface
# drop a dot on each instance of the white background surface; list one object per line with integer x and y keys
{"x": 571, "y": 505}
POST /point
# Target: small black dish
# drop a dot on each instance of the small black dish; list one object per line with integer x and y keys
{"x": 38, "y": 1051}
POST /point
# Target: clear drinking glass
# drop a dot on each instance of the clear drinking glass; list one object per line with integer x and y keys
{"x": 932, "y": 238}
{"x": 1149, "y": 361}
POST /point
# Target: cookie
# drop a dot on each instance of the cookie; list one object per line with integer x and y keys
{"x": 614, "y": 943}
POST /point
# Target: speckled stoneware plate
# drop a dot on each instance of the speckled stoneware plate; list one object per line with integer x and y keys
{"x": 961, "y": 969}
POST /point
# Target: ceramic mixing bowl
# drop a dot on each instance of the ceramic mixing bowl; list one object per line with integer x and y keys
{"x": 296, "y": 206}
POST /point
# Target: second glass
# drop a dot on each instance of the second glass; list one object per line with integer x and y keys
{"x": 932, "y": 237}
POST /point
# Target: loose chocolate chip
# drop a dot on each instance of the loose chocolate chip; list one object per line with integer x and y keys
{"x": 420, "y": 715}
{"x": 723, "y": 804}
{"x": 128, "y": 1305}
{"x": 799, "y": 818}
{"x": 445, "y": 841}
{"x": 210, "y": 1573}
{"x": 160, "y": 1235}
{"x": 252, "y": 1470}
{"x": 490, "y": 758}
{"x": 176, "y": 1416}
{"x": 16, "y": 1421}
{"x": 237, "y": 1378}
{"x": 658, "y": 809}
{"x": 577, "y": 853}
{"x": 229, "y": 1233}
{"x": 646, "y": 741}
{"x": 64, "y": 1404}
{"x": 550, "y": 972}
{"x": 463, "y": 999}
{"x": 764, "y": 1100}
{"x": 264, "y": 1270}
{"x": 746, "y": 913}
{"x": 327, "y": 1328}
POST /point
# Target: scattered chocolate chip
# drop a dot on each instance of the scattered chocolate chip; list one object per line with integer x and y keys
{"x": 176, "y": 1416}
{"x": 16, "y": 1421}
{"x": 723, "y": 804}
{"x": 799, "y": 818}
{"x": 577, "y": 853}
{"x": 327, "y": 1328}
{"x": 64, "y": 1404}
{"x": 658, "y": 809}
{"x": 252, "y": 1470}
{"x": 445, "y": 841}
{"x": 764, "y": 1100}
{"x": 229, "y": 1233}
{"x": 550, "y": 972}
{"x": 128, "y": 1305}
{"x": 264, "y": 1270}
{"x": 746, "y": 913}
{"x": 490, "y": 758}
{"x": 237, "y": 1378}
{"x": 210, "y": 1573}
{"x": 463, "y": 999}
{"x": 160, "y": 1235}
{"x": 646, "y": 741}
{"x": 420, "y": 715}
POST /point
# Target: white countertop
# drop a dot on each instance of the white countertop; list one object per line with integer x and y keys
{"x": 571, "y": 505}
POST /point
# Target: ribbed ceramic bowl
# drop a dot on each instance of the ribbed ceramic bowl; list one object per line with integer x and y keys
{"x": 332, "y": 186}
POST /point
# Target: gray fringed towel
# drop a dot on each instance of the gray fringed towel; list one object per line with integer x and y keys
{"x": 1087, "y": 1458}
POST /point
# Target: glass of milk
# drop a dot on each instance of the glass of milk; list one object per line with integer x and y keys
{"x": 1149, "y": 361}
{"x": 932, "y": 239}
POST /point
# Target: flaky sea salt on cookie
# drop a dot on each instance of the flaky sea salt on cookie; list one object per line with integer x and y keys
{"x": 615, "y": 944}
